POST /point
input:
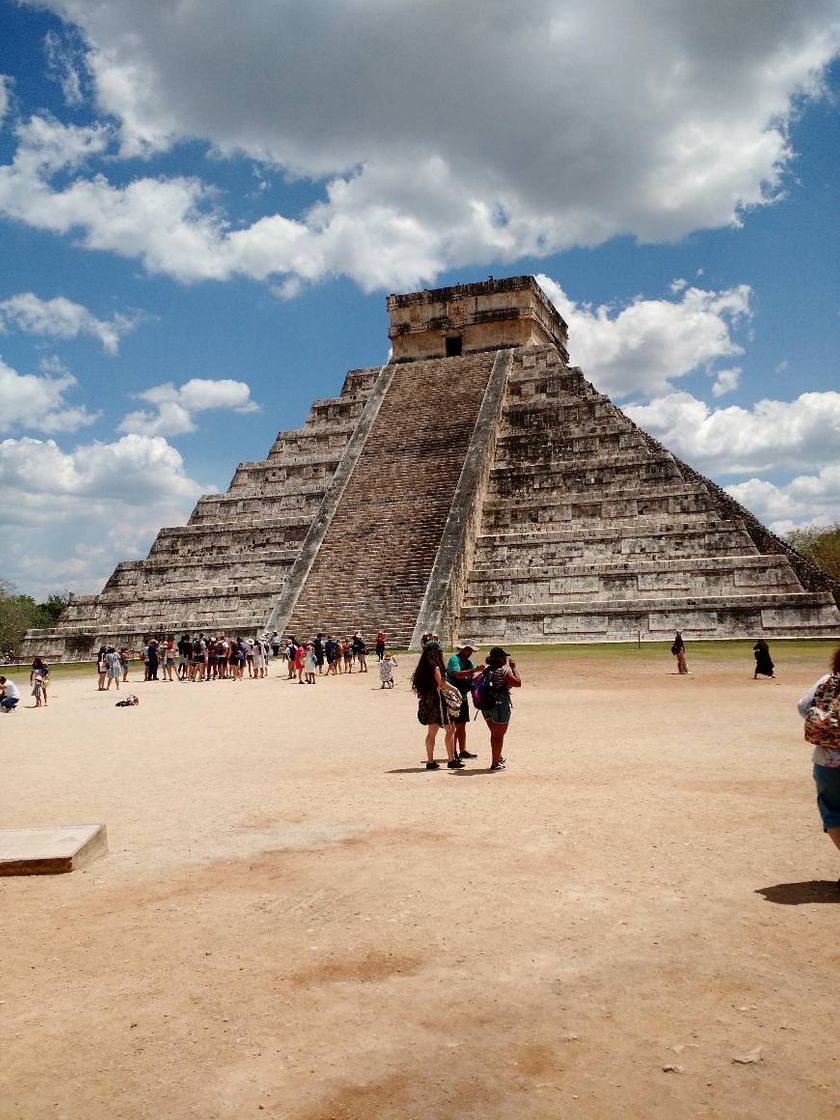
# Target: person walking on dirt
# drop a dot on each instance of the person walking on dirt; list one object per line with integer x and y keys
{"x": 763, "y": 661}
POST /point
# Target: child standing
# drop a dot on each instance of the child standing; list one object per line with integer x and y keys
{"x": 311, "y": 663}
{"x": 386, "y": 670}
{"x": 38, "y": 687}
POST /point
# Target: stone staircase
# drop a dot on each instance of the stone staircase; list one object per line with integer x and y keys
{"x": 592, "y": 531}
{"x": 374, "y": 563}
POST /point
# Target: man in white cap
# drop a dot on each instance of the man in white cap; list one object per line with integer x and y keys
{"x": 460, "y": 671}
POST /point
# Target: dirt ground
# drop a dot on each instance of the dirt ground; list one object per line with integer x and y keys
{"x": 637, "y": 919}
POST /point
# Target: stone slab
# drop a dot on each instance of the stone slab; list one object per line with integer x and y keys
{"x": 50, "y": 851}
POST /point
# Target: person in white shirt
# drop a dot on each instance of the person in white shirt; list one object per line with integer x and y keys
{"x": 386, "y": 670}
{"x": 9, "y": 694}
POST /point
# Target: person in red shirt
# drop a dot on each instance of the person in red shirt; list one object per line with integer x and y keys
{"x": 300, "y": 661}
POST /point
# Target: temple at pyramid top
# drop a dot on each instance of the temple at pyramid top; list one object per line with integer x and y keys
{"x": 476, "y": 485}
{"x": 473, "y": 318}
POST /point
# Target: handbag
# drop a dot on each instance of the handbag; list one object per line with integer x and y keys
{"x": 451, "y": 701}
{"x": 822, "y": 720}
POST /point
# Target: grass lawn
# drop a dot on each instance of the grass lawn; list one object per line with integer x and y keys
{"x": 793, "y": 649}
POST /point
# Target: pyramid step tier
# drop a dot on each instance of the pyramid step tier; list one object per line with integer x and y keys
{"x": 557, "y": 587}
{"x": 625, "y": 543}
{"x": 802, "y": 614}
{"x": 603, "y": 517}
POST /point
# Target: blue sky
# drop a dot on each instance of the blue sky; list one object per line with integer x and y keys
{"x": 203, "y": 207}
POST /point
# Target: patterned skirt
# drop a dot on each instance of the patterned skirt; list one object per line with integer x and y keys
{"x": 431, "y": 709}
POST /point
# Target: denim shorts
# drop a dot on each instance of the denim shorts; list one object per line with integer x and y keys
{"x": 498, "y": 712}
{"x": 828, "y": 795}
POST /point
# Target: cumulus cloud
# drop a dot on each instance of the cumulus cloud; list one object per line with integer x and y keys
{"x": 434, "y": 149}
{"x": 133, "y": 469}
{"x": 164, "y": 222}
{"x": 771, "y": 435}
{"x": 61, "y": 318}
{"x": 646, "y": 345}
{"x": 70, "y": 516}
{"x": 806, "y": 500}
{"x": 176, "y": 406}
{"x": 35, "y": 402}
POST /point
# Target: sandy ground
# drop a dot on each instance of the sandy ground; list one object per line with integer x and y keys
{"x": 295, "y": 920}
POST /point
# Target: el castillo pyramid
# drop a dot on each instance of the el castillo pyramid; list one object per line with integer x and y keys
{"x": 477, "y": 485}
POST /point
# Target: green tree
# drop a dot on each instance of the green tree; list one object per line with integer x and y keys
{"x": 820, "y": 546}
{"x": 53, "y": 607}
{"x": 17, "y": 614}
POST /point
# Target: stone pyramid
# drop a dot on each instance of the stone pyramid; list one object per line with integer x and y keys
{"x": 475, "y": 485}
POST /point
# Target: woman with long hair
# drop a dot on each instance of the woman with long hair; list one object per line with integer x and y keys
{"x": 820, "y": 707}
{"x": 42, "y": 672}
{"x": 429, "y": 681}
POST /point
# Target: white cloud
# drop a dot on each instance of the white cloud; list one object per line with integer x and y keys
{"x": 175, "y": 406}
{"x": 65, "y": 65}
{"x": 69, "y": 517}
{"x": 646, "y": 345}
{"x": 771, "y": 435}
{"x": 159, "y": 220}
{"x": 61, "y": 318}
{"x": 5, "y": 82}
{"x": 36, "y": 402}
{"x": 436, "y": 151}
{"x": 805, "y": 500}
{"x": 726, "y": 380}
{"x": 134, "y": 469}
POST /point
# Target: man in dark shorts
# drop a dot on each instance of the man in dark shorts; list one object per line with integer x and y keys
{"x": 459, "y": 671}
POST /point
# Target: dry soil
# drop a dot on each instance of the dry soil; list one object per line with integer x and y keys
{"x": 637, "y": 919}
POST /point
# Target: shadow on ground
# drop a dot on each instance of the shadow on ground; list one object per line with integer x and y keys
{"x": 798, "y": 894}
{"x": 465, "y": 773}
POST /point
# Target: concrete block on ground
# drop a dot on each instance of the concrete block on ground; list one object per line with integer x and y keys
{"x": 50, "y": 851}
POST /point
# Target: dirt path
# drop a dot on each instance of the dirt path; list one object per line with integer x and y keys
{"x": 296, "y": 921}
